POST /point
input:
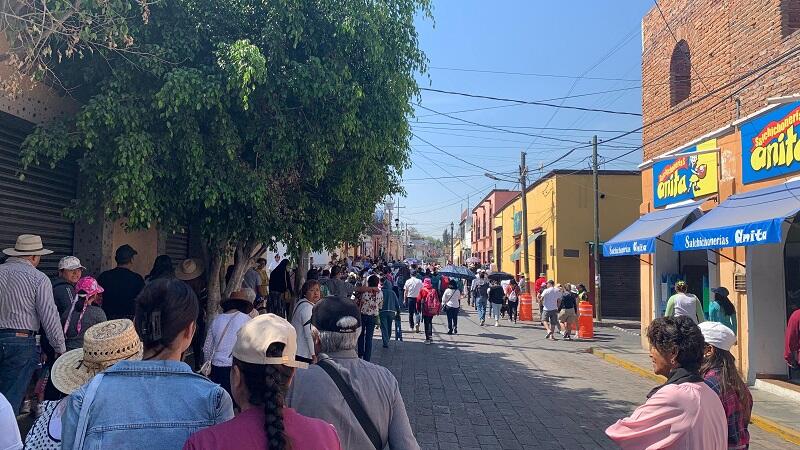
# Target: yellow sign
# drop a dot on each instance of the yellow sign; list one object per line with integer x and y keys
{"x": 686, "y": 177}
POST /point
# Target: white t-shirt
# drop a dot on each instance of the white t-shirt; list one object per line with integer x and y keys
{"x": 452, "y": 298}
{"x": 412, "y": 287}
{"x": 550, "y": 298}
{"x": 222, "y": 346}
{"x": 686, "y": 305}
{"x": 9, "y": 432}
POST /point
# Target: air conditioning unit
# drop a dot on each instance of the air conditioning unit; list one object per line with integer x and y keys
{"x": 740, "y": 282}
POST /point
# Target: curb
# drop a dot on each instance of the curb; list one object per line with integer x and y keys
{"x": 784, "y": 432}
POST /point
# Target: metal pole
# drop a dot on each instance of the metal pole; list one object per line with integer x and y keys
{"x": 523, "y": 174}
{"x": 596, "y": 246}
{"x": 452, "y": 245}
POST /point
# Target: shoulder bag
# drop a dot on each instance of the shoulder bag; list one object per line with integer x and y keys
{"x": 205, "y": 369}
{"x": 83, "y": 418}
{"x": 352, "y": 401}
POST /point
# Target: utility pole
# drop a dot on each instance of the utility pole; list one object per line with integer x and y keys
{"x": 596, "y": 246}
{"x": 523, "y": 174}
{"x": 452, "y": 245}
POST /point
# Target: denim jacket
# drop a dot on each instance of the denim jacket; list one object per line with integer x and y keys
{"x": 146, "y": 405}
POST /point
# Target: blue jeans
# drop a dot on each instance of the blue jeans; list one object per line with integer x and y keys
{"x": 495, "y": 313}
{"x": 387, "y": 318}
{"x": 398, "y": 327}
{"x": 18, "y": 360}
{"x": 481, "y": 305}
{"x": 365, "y": 339}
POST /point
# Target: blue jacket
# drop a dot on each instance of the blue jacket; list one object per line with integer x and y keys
{"x": 148, "y": 405}
{"x": 390, "y": 301}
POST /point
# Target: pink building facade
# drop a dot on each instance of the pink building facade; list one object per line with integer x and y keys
{"x": 483, "y": 235}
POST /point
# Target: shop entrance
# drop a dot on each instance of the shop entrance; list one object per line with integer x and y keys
{"x": 540, "y": 260}
{"x": 791, "y": 265}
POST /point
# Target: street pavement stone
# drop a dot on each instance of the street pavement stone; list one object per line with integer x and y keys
{"x": 508, "y": 388}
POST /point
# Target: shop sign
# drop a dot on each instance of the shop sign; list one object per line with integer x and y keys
{"x": 770, "y": 146}
{"x": 754, "y": 233}
{"x": 637, "y": 247}
{"x": 517, "y": 223}
{"x": 686, "y": 177}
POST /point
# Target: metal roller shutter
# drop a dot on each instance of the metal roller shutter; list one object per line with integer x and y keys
{"x": 178, "y": 246}
{"x": 34, "y": 205}
{"x": 620, "y": 287}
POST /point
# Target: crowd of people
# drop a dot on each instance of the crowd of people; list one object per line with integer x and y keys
{"x": 270, "y": 371}
{"x": 273, "y": 371}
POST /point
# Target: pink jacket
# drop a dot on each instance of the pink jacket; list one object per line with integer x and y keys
{"x": 687, "y": 416}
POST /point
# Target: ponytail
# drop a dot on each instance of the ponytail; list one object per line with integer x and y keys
{"x": 267, "y": 385}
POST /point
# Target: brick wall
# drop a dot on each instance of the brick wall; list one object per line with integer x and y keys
{"x": 725, "y": 38}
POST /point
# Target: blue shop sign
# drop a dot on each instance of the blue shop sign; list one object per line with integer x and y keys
{"x": 635, "y": 247}
{"x": 770, "y": 144}
{"x": 754, "y": 233}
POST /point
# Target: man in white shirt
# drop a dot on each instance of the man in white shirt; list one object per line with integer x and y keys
{"x": 410, "y": 293}
{"x": 550, "y": 298}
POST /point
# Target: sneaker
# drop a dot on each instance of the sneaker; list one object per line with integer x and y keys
{"x": 449, "y": 331}
{"x": 482, "y": 322}
{"x": 428, "y": 342}
{"x": 455, "y": 330}
{"x": 548, "y": 335}
{"x": 416, "y": 329}
{"x": 497, "y": 323}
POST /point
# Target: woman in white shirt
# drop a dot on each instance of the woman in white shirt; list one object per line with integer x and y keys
{"x": 452, "y": 303}
{"x": 301, "y": 320}
{"x": 222, "y": 335}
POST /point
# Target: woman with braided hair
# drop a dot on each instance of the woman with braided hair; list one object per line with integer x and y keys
{"x": 264, "y": 361}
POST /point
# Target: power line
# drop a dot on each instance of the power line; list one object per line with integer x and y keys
{"x": 592, "y": 130}
{"x": 529, "y": 74}
{"x": 451, "y": 155}
{"x": 531, "y": 102}
{"x": 493, "y": 127}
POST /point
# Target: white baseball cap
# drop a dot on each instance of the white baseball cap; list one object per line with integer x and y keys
{"x": 70, "y": 263}
{"x": 718, "y": 335}
{"x": 257, "y": 334}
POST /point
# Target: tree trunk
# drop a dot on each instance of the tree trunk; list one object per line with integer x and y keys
{"x": 302, "y": 269}
{"x": 214, "y": 260}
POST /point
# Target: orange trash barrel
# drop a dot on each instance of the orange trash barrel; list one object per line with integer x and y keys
{"x": 525, "y": 307}
{"x": 585, "y": 320}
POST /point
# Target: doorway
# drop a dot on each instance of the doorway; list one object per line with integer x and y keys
{"x": 791, "y": 267}
{"x": 539, "y": 261}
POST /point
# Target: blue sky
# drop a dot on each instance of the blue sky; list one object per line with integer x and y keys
{"x": 584, "y": 47}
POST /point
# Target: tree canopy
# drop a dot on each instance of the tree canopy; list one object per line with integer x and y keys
{"x": 254, "y": 120}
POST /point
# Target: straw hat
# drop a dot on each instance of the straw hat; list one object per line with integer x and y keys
{"x": 28, "y": 245}
{"x": 189, "y": 269}
{"x": 104, "y": 345}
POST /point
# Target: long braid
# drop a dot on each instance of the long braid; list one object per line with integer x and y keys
{"x": 268, "y": 385}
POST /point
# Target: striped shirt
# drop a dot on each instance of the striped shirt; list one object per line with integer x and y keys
{"x": 26, "y": 301}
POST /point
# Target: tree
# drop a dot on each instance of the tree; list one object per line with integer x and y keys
{"x": 254, "y": 121}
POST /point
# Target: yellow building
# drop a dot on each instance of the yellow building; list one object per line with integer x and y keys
{"x": 561, "y": 230}
{"x": 457, "y": 252}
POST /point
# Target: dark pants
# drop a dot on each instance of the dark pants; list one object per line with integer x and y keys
{"x": 428, "y": 320}
{"x": 18, "y": 361}
{"x": 275, "y": 303}
{"x": 398, "y": 327}
{"x": 222, "y": 376}
{"x": 413, "y": 314}
{"x": 512, "y": 310}
{"x": 387, "y": 319}
{"x": 452, "y": 319}
{"x": 365, "y": 339}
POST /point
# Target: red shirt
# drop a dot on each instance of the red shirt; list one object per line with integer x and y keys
{"x": 246, "y": 431}
{"x": 540, "y": 284}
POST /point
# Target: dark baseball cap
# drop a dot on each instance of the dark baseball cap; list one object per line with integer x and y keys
{"x": 334, "y": 313}
{"x": 124, "y": 253}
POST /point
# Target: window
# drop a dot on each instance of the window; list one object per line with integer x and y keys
{"x": 680, "y": 73}
{"x": 790, "y": 17}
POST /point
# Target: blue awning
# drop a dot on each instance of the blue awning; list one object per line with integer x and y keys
{"x": 750, "y": 218}
{"x": 640, "y": 237}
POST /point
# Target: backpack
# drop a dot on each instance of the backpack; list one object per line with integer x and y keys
{"x": 431, "y": 305}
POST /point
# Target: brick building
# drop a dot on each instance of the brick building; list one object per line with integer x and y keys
{"x": 483, "y": 235}
{"x": 720, "y": 103}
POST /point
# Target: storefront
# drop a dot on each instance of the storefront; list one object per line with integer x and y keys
{"x": 724, "y": 213}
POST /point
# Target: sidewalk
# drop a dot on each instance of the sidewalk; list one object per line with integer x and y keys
{"x": 773, "y": 413}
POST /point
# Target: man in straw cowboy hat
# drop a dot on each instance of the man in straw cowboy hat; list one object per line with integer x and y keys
{"x": 191, "y": 271}
{"x": 104, "y": 345}
{"x": 26, "y": 305}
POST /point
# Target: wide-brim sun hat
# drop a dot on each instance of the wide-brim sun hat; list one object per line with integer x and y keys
{"x": 28, "y": 245}
{"x": 104, "y": 345}
{"x": 189, "y": 269}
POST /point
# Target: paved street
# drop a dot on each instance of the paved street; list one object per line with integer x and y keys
{"x": 508, "y": 388}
